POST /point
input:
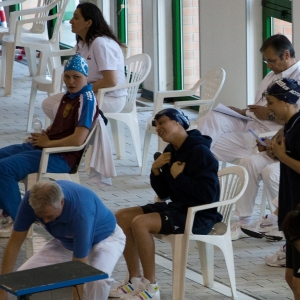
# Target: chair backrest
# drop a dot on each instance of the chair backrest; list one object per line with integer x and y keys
{"x": 137, "y": 68}
{"x": 233, "y": 182}
{"x": 61, "y": 7}
{"x": 210, "y": 84}
{"x": 39, "y": 25}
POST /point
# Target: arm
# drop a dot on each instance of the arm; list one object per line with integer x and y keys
{"x": 279, "y": 149}
{"x": 78, "y": 289}
{"x": 76, "y": 139}
{"x": 107, "y": 56}
{"x": 110, "y": 79}
{"x": 262, "y": 113}
{"x": 239, "y": 111}
{"x": 157, "y": 179}
{"x": 10, "y": 255}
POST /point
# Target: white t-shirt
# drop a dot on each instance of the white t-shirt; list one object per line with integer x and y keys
{"x": 104, "y": 54}
{"x": 294, "y": 73}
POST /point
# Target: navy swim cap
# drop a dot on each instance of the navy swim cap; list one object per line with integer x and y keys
{"x": 173, "y": 114}
{"x": 285, "y": 89}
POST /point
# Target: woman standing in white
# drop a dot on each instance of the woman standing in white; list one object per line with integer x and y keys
{"x": 102, "y": 50}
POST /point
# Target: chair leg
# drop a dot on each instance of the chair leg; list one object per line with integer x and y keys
{"x": 31, "y": 108}
{"x": 147, "y": 140}
{"x": 179, "y": 252}
{"x": 206, "y": 254}
{"x": 3, "y": 67}
{"x": 8, "y": 59}
{"x": 263, "y": 203}
{"x": 136, "y": 140}
{"x": 227, "y": 250}
{"x": 117, "y": 129}
{"x": 31, "y": 60}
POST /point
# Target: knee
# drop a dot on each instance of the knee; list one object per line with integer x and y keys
{"x": 138, "y": 222}
{"x": 248, "y": 162}
{"x": 122, "y": 218}
{"x": 125, "y": 218}
{"x": 47, "y": 105}
{"x": 269, "y": 175}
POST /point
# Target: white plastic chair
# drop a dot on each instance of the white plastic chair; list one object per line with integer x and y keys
{"x": 42, "y": 173}
{"x": 210, "y": 86}
{"x": 4, "y": 30}
{"x": 43, "y": 81}
{"x": 233, "y": 182}
{"x": 137, "y": 68}
{"x": 32, "y": 40}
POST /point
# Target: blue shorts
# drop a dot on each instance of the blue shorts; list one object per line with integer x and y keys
{"x": 173, "y": 220}
{"x": 293, "y": 259}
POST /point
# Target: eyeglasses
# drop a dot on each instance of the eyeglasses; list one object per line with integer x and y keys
{"x": 270, "y": 61}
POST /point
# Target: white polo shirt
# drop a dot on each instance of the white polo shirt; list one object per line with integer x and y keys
{"x": 104, "y": 54}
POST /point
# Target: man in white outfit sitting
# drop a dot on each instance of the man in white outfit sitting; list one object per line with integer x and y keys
{"x": 232, "y": 139}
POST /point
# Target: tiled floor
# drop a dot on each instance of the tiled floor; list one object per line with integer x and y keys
{"x": 255, "y": 280}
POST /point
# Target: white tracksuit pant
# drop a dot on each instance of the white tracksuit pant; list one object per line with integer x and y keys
{"x": 231, "y": 138}
{"x": 260, "y": 167}
{"x": 103, "y": 256}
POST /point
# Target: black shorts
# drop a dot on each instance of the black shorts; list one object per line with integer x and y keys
{"x": 173, "y": 219}
{"x": 293, "y": 259}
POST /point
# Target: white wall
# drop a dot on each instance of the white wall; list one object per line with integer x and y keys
{"x": 230, "y": 31}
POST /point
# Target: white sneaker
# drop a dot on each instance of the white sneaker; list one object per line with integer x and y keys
{"x": 6, "y": 226}
{"x": 125, "y": 288}
{"x": 146, "y": 291}
{"x": 277, "y": 259}
{"x": 236, "y": 232}
{"x": 261, "y": 228}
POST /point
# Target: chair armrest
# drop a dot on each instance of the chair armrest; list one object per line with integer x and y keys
{"x": 47, "y": 151}
{"x": 103, "y": 91}
{"x": 43, "y": 61}
{"x": 160, "y": 96}
{"x": 16, "y": 28}
{"x": 15, "y": 15}
{"x": 179, "y": 104}
{"x": 193, "y": 210}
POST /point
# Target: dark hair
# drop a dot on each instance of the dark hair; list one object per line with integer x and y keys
{"x": 291, "y": 225}
{"x": 99, "y": 27}
{"x": 280, "y": 43}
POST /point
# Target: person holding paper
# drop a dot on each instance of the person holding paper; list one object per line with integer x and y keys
{"x": 230, "y": 135}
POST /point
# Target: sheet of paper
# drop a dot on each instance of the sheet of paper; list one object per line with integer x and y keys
{"x": 228, "y": 111}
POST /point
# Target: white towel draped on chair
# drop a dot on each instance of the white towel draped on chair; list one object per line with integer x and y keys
{"x": 101, "y": 166}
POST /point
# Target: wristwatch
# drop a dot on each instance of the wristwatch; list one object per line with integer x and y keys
{"x": 271, "y": 116}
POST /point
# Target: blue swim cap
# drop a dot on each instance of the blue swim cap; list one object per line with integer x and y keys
{"x": 285, "y": 89}
{"x": 77, "y": 63}
{"x": 173, "y": 114}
